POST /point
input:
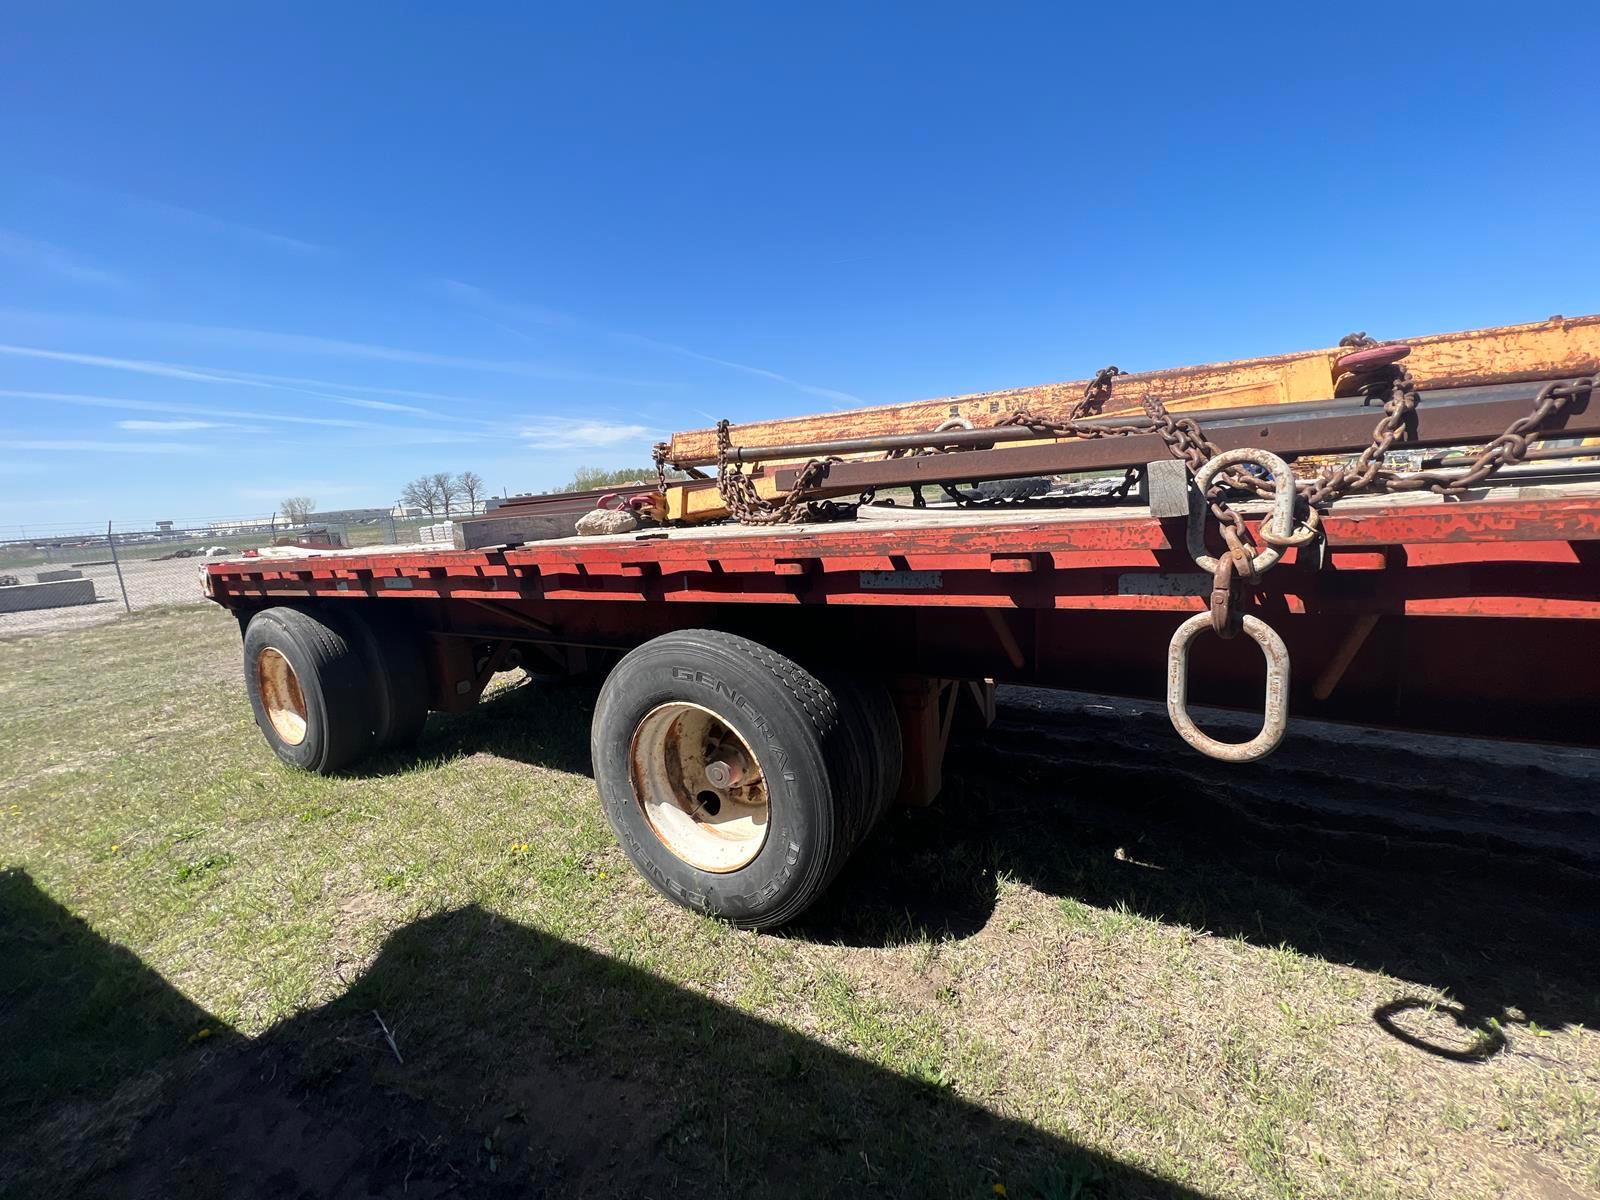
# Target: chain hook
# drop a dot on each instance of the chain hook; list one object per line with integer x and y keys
{"x": 1225, "y": 609}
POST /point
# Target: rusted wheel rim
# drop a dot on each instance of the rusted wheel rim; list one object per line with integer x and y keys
{"x": 281, "y": 696}
{"x": 699, "y": 786}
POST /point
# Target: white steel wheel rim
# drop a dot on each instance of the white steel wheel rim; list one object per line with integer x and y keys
{"x": 281, "y": 696}
{"x": 699, "y": 786}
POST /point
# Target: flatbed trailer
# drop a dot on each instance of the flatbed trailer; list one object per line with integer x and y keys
{"x": 783, "y": 685}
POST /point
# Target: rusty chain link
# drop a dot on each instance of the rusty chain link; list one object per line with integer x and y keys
{"x": 1095, "y": 394}
{"x": 658, "y": 455}
{"x": 738, "y": 490}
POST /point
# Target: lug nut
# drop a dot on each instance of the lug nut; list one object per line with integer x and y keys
{"x": 722, "y": 774}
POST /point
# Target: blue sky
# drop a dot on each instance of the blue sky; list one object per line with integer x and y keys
{"x": 252, "y": 251}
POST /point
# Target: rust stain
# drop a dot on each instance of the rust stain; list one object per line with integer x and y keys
{"x": 1550, "y": 349}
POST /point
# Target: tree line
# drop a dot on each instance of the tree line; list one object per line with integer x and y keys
{"x": 444, "y": 494}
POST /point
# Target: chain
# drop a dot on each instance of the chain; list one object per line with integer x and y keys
{"x": 1095, "y": 394}
{"x": 658, "y": 455}
{"x": 1393, "y": 383}
{"x": 1389, "y": 383}
{"x": 1506, "y": 450}
{"x": 738, "y": 490}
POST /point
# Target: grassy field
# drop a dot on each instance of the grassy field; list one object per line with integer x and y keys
{"x": 1053, "y": 984}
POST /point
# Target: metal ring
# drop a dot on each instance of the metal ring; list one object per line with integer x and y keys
{"x": 1276, "y": 719}
{"x": 1280, "y": 523}
{"x": 1305, "y": 535}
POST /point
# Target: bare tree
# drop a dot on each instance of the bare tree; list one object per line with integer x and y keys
{"x": 297, "y": 510}
{"x": 445, "y": 485}
{"x": 469, "y": 484}
{"x": 423, "y": 492}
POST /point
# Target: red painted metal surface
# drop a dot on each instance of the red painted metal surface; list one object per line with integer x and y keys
{"x": 1514, "y": 558}
{"x": 1475, "y": 611}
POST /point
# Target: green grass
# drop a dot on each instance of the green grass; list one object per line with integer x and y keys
{"x": 194, "y": 942}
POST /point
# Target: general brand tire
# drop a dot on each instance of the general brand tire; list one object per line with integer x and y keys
{"x": 809, "y": 763}
{"x": 391, "y": 648}
{"x": 312, "y": 691}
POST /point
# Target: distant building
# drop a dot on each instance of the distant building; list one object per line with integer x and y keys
{"x": 237, "y": 525}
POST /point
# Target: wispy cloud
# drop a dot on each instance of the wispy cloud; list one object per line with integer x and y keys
{"x": 477, "y": 297}
{"x": 236, "y": 229}
{"x": 77, "y": 445}
{"x": 136, "y": 365}
{"x": 53, "y": 260}
{"x": 487, "y": 303}
{"x": 303, "y": 343}
{"x": 576, "y": 433}
{"x": 180, "y": 215}
{"x": 253, "y": 379}
{"x": 320, "y": 489}
{"x": 810, "y": 389}
{"x": 139, "y": 426}
{"x": 390, "y": 406}
{"x": 195, "y": 410}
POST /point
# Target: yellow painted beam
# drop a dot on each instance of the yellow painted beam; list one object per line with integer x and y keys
{"x": 1559, "y": 347}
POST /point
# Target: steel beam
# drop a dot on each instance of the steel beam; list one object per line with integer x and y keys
{"x": 1451, "y": 418}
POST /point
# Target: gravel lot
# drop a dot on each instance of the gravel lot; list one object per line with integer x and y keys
{"x": 150, "y": 584}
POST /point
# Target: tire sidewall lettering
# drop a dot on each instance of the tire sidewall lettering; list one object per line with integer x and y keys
{"x": 738, "y": 700}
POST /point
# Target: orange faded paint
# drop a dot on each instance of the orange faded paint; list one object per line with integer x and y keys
{"x": 1553, "y": 349}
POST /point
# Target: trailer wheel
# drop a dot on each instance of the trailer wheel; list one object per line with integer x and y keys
{"x": 888, "y": 752}
{"x": 869, "y": 711}
{"x": 729, "y": 775}
{"x": 312, "y": 691}
{"x": 392, "y": 650}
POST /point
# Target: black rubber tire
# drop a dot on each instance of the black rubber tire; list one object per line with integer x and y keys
{"x": 392, "y": 651}
{"x": 868, "y": 714}
{"x": 883, "y": 735}
{"x": 811, "y": 760}
{"x": 342, "y": 704}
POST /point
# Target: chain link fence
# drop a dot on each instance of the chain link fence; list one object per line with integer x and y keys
{"x": 52, "y": 581}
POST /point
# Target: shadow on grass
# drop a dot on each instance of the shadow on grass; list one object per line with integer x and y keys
{"x": 531, "y": 1068}
{"x": 1110, "y": 824}
{"x": 1506, "y": 933}
{"x": 542, "y": 722}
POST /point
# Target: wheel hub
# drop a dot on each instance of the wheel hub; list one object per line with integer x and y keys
{"x": 699, "y": 786}
{"x": 281, "y": 697}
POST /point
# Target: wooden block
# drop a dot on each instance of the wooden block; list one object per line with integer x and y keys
{"x": 1169, "y": 487}
{"x": 499, "y": 531}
